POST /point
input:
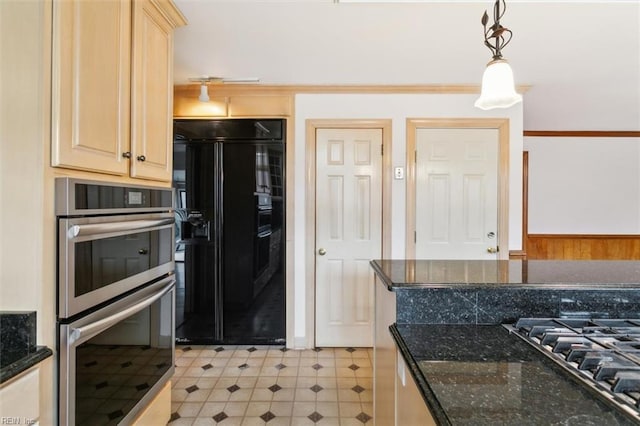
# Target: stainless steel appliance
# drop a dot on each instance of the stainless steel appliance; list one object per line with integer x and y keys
{"x": 229, "y": 180}
{"x": 602, "y": 353}
{"x": 116, "y": 298}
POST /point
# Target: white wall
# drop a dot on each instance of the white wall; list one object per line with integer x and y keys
{"x": 397, "y": 107}
{"x": 25, "y": 43}
{"x": 584, "y": 185}
{"x": 22, "y": 137}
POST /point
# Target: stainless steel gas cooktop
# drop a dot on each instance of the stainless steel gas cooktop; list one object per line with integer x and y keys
{"x": 602, "y": 353}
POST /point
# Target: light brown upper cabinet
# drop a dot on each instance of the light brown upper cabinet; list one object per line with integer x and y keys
{"x": 112, "y": 86}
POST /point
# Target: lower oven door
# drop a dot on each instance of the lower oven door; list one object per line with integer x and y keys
{"x": 112, "y": 362}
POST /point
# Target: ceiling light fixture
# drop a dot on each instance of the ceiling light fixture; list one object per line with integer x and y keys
{"x": 498, "y": 89}
{"x": 204, "y": 93}
{"x": 206, "y": 80}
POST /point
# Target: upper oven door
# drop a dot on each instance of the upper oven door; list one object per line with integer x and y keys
{"x": 103, "y": 257}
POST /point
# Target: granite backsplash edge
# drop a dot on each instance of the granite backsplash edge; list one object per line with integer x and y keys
{"x": 18, "y": 348}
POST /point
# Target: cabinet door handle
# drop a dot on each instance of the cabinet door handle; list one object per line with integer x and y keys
{"x": 141, "y": 158}
{"x": 126, "y": 154}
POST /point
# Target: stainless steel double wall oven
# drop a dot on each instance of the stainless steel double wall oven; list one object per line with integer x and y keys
{"x": 116, "y": 297}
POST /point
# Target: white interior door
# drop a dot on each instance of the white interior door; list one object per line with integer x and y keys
{"x": 456, "y": 193}
{"x": 348, "y": 234}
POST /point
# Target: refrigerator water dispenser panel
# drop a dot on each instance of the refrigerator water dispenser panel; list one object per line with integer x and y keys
{"x": 195, "y": 228}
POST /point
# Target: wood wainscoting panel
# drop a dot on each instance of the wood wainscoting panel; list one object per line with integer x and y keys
{"x": 583, "y": 247}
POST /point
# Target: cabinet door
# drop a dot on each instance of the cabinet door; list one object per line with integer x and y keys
{"x": 411, "y": 409}
{"x": 152, "y": 94}
{"x": 384, "y": 359}
{"x": 91, "y": 83}
{"x": 19, "y": 398}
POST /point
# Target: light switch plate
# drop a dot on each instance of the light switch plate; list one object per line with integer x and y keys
{"x": 399, "y": 173}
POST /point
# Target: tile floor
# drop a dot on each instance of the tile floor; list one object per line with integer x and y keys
{"x": 272, "y": 385}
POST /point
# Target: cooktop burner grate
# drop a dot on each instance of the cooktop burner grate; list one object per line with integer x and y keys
{"x": 603, "y": 353}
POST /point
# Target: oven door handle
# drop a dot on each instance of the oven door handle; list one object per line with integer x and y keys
{"x": 106, "y": 228}
{"x": 99, "y": 326}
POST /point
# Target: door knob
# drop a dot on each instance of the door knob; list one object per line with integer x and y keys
{"x": 322, "y": 252}
{"x": 492, "y": 250}
{"x": 126, "y": 154}
{"x": 141, "y": 158}
{"x": 143, "y": 251}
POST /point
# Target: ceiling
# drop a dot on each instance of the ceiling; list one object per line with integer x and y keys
{"x": 581, "y": 59}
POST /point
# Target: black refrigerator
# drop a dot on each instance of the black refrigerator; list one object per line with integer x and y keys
{"x": 228, "y": 177}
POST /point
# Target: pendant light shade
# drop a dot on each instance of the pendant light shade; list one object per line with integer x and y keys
{"x": 204, "y": 93}
{"x": 498, "y": 89}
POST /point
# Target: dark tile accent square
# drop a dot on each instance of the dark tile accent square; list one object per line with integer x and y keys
{"x": 354, "y": 367}
{"x": 251, "y": 349}
{"x": 102, "y": 385}
{"x": 315, "y": 417}
{"x": 191, "y": 389}
{"x": 317, "y": 349}
{"x": 174, "y": 416}
{"x": 268, "y": 416}
{"x": 115, "y": 414}
{"x": 316, "y": 388}
{"x": 243, "y": 366}
{"x": 219, "y": 349}
{"x": 91, "y": 364}
{"x": 220, "y": 416}
{"x": 275, "y": 388}
{"x": 145, "y": 348}
{"x": 126, "y": 364}
{"x": 363, "y": 417}
{"x": 233, "y": 388}
{"x": 142, "y": 386}
{"x": 352, "y": 350}
{"x": 161, "y": 365}
{"x": 280, "y": 366}
{"x": 207, "y": 366}
{"x": 187, "y": 349}
{"x": 316, "y": 367}
{"x": 284, "y": 349}
{"x": 357, "y": 389}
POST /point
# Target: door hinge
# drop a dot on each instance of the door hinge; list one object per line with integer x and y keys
{"x": 415, "y": 156}
{"x": 382, "y": 150}
{"x": 415, "y": 236}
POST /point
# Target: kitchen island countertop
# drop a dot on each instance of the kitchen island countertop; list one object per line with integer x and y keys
{"x": 446, "y": 322}
{"x": 532, "y": 274}
{"x": 482, "y": 375}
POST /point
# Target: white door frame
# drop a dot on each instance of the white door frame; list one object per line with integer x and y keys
{"x": 502, "y": 125}
{"x": 310, "y": 203}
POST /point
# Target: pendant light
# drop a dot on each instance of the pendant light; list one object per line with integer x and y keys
{"x": 498, "y": 88}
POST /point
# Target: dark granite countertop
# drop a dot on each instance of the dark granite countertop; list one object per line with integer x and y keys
{"x": 23, "y": 364}
{"x": 482, "y": 375}
{"x": 508, "y": 274}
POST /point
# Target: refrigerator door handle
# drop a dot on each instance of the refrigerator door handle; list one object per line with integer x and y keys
{"x": 264, "y": 234}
